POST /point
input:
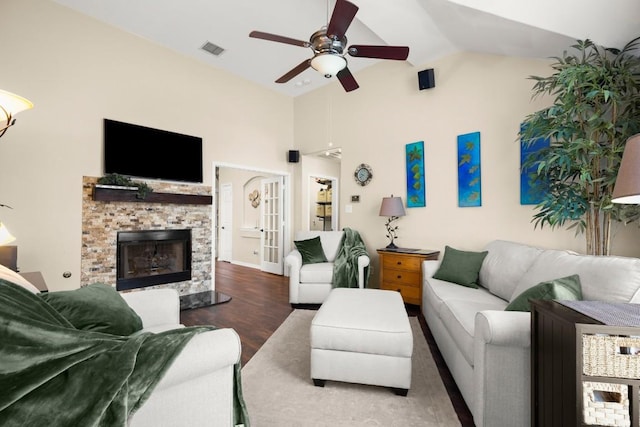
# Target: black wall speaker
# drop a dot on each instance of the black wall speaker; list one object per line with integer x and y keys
{"x": 426, "y": 79}
{"x": 294, "y": 156}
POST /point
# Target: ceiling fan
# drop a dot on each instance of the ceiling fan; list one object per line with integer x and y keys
{"x": 329, "y": 46}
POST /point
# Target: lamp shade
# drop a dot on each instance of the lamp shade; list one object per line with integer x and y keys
{"x": 5, "y": 236}
{"x": 13, "y": 103}
{"x": 328, "y": 63}
{"x": 627, "y": 188}
{"x": 392, "y": 206}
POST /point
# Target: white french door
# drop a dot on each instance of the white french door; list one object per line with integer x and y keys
{"x": 225, "y": 231}
{"x": 271, "y": 236}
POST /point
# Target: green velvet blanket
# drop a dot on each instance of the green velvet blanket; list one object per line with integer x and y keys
{"x": 345, "y": 266}
{"x": 52, "y": 374}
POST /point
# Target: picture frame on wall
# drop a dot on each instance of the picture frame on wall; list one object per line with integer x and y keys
{"x": 416, "y": 191}
{"x": 531, "y": 192}
{"x": 469, "y": 170}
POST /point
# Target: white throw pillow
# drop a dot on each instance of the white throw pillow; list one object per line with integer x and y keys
{"x": 13, "y": 277}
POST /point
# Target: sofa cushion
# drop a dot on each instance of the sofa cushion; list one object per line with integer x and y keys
{"x": 504, "y": 265}
{"x": 311, "y": 250}
{"x": 437, "y": 292}
{"x": 565, "y": 288}
{"x": 316, "y": 273}
{"x": 96, "y": 307}
{"x": 458, "y": 317}
{"x": 605, "y": 278}
{"x": 461, "y": 267}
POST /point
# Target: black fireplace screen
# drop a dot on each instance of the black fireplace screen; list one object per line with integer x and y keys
{"x": 152, "y": 257}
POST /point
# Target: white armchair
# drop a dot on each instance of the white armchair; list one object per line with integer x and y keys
{"x": 197, "y": 389}
{"x": 311, "y": 283}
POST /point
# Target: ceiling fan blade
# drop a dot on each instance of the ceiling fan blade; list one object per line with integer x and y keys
{"x": 341, "y": 18}
{"x": 382, "y": 52}
{"x": 277, "y": 38}
{"x": 347, "y": 80}
{"x": 294, "y": 72}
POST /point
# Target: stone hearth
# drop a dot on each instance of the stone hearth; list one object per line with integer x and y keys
{"x": 101, "y": 222}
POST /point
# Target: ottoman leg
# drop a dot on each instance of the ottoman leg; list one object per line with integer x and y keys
{"x": 320, "y": 383}
{"x": 399, "y": 391}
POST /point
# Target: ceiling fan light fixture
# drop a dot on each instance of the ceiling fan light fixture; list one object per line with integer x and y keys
{"x": 329, "y": 64}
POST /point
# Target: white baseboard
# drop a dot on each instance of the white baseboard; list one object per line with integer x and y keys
{"x": 246, "y": 264}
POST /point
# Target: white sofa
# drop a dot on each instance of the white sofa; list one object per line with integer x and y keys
{"x": 486, "y": 348}
{"x": 311, "y": 283}
{"x": 197, "y": 389}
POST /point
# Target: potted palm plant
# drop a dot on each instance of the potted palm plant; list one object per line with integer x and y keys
{"x": 595, "y": 108}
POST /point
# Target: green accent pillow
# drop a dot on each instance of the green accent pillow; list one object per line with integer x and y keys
{"x": 97, "y": 307}
{"x": 311, "y": 251}
{"x": 566, "y": 288}
{"x": 461, "y": 267}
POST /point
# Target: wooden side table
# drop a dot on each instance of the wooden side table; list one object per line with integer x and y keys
{"x": 401, "y": 270}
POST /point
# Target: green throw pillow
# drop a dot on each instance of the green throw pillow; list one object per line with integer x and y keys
{"x": 96, "y": 307}
{"x": 311, "y": 251}
{"x": 566, "y": 288}
{"x": 461, "y": 267}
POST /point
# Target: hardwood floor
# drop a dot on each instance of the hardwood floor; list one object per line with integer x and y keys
{"x": 259, "y": 305}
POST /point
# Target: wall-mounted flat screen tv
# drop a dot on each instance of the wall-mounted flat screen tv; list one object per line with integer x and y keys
{"x": 144, "y": 152}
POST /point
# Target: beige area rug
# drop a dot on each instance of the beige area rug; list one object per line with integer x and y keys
{"x": 279, "y": 392}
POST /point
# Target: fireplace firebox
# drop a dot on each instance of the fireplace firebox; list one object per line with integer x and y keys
{"x": 152, "y": 257}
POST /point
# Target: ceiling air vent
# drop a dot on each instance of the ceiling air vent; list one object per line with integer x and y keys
{"x": 213, "y": 49}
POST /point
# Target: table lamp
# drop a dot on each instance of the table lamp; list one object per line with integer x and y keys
{"x": 392, "y": 208}
{"x": 627, "y": 187}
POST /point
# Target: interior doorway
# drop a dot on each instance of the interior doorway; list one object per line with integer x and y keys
{"x": 323, "y": 206}
{"x": 244, "y": 244}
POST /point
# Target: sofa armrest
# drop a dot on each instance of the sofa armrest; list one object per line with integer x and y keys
{"x": 502, "y": 367}
{"x": 155, "y": 306}
{"x": 198, "y": 388}
{"x": 363, "y": 262}
{"x": 429, "y": 268}
{"x": 294, "y": 262}
{"x": 507, "y": 328}
{"x": 204, "y": 353}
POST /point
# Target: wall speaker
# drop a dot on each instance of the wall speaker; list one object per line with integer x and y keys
{"x": 294, "y": 156}
{"x": 426, "y": 79}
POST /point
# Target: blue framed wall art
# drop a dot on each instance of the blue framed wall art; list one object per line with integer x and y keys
{"x": 469, "y": 172}
{"x": 531, "y": 192}
{"x": 416, "y": 192}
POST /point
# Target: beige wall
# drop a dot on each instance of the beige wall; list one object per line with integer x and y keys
{"x": 474, "y": 92}
{"x": 78, "y": 71}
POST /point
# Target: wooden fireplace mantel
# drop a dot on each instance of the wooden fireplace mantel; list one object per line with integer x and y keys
{"x": 123, "y": 194}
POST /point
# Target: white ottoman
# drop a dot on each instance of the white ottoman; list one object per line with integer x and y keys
{"x": 362, "y": 336}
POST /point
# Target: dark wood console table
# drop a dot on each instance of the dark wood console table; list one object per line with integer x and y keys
{"x": 557, "y": 372}
{"x": 553, "y": 364}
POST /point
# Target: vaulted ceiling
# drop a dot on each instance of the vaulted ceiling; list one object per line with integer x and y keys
{"x": 431, "y": 29}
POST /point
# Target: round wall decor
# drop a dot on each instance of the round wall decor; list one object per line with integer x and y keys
{"x": 363, "y": 174}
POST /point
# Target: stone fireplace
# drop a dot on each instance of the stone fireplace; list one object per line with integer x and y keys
{"x": 104, "y": 221}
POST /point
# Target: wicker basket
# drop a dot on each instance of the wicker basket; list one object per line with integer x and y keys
{"x": 613, "y": 410}
{"x": 603, "y": 356}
